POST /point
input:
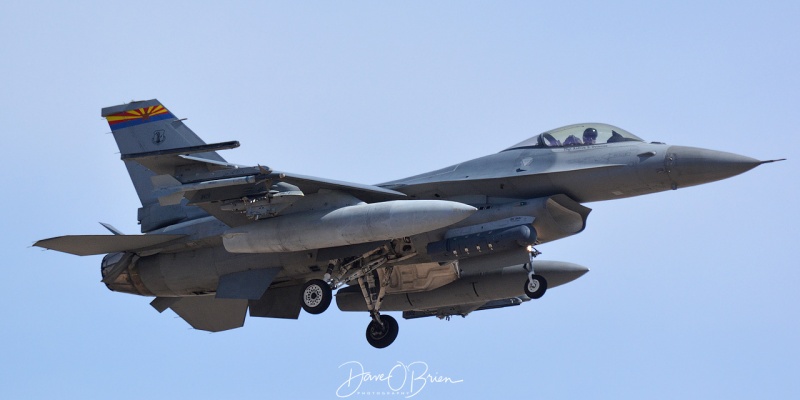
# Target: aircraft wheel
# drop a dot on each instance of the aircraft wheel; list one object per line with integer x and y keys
{"x": 382, "y": 336}
{"x": 316, "y": 296}
{"x": 535, "y": 286}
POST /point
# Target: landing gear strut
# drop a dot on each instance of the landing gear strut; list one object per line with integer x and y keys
{"x": 316, "y": 296}
{"x": 383, "y": 329}
{"x": 372, "y": 271}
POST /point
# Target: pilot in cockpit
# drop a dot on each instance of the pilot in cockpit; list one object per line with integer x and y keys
{"x": 589, "y": 136}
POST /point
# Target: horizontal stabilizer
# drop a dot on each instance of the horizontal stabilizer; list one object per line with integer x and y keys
{"x": 87, "y": 245}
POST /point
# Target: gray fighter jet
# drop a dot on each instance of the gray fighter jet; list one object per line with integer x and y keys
{"x": 220, "y": 239}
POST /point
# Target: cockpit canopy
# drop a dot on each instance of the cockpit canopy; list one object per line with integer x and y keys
{"x": 578, "y": 135}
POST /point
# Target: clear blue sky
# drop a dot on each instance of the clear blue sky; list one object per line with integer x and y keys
{"x": 691, "y": 294}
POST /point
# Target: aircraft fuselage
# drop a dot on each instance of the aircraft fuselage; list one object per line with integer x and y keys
{"x": 221, "y": 239}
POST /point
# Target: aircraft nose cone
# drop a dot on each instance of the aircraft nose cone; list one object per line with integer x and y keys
{"x": 689, "y": 166}
{"x": 577, "y": 271}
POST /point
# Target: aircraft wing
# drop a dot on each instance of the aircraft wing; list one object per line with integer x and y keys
{"x": 87, "y": 245}
{"x": 367, "y": 193}
{"x": 236, "y": 183}
{"x": 237, "y": 196}
{"x": 200, "y": 175}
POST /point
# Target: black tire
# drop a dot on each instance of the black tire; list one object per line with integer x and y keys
{"x": 537, "y": 289}
{"x": 316, "y": 296}
{"x": 382, "y": 336}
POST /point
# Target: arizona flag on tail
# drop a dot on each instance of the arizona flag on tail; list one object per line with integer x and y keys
{"x": 147, "y": 126}
{"x": 138, "y": 116}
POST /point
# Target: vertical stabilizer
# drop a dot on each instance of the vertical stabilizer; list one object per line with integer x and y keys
{"x": 148, "y": 126}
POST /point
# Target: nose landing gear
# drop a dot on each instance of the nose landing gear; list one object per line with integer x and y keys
{"x": 536, "y": 285}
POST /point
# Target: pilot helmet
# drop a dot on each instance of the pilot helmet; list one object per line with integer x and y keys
{"x": 590, "y": 133}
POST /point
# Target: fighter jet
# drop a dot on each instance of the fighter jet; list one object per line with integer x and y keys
{"x": 219, "y": 239}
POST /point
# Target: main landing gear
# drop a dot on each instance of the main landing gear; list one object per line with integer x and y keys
{"x": 383, "y": 333}
{"x": 316, "y": 296}
{"x": 372, "y": 271}
{"x": 383, "y": 329}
